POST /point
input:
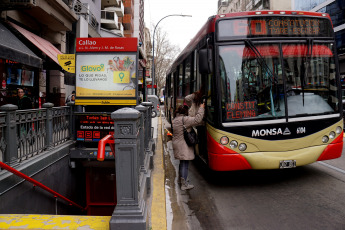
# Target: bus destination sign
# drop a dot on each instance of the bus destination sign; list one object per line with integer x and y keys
{"x": 238, "y": 110}
{"x": 285, "y": 27}
{"x": 274, "y": 27}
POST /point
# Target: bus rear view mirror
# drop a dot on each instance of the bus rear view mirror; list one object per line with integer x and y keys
{"x": 205, "y": 61}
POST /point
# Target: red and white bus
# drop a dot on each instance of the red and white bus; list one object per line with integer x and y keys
{"x": 272, "y": 87}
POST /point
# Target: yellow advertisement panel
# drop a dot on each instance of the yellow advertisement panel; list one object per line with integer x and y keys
{"x": 121, "y": 76}
{"x": 106, "y": 75}
{"x": 67, "y": 62}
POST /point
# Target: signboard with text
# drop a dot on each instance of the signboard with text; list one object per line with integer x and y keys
{"x": 239, "y": 110}
{"x": 93, "y": 127}
{"x": 274, "y": 26}
{"x": 106, "y": 71}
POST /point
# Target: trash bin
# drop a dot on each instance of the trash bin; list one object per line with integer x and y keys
{"x": 155, "y": 104}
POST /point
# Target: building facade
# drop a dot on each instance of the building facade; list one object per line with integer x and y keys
{"x": 228, "y": 6}
{"x": 42, "y": 28}
{"x": 45, "y": 29}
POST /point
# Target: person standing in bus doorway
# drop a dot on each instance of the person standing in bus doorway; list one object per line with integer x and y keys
{"x": 182, "y": 151}
{"x": 194, "y": 100}
{"x": 23, "y": 102}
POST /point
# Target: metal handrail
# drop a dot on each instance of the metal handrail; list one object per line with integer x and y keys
{"x": 109, "y": 139}
{"x": 25, "y": 177}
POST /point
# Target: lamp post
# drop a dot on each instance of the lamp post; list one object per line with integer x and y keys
{"x": 153, "y": 47}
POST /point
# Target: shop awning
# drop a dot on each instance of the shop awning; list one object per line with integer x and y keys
{"x": 44, "y": 45}
{"x": 13, "y": 49}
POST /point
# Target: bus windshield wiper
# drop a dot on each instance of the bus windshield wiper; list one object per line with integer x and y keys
{"x": 262, "y": 61}
{"x": 268, "y": 71}
{"x": 306, "y": 73}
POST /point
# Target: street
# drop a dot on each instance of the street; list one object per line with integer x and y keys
{"x": 308, "y": 197}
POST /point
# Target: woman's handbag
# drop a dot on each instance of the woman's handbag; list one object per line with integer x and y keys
{"x": 191, "y": 137}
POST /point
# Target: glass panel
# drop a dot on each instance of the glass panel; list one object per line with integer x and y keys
{"x": 310, "y": 79}
{"x": 187, "y": 77}
{"x": 252, "y": 84}
{"x": 180, "y": 81}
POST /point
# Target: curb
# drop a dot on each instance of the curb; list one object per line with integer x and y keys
{"x": 158, "y": 207}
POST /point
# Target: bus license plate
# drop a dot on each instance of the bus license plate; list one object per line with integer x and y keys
{"x": 288, "y": 164}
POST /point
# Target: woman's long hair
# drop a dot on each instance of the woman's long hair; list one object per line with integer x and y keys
{"x": 199, "y": 94}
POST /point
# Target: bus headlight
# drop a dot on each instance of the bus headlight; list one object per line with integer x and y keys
{"x": 338, "y": 130}
{"x": 242, "y": 147}
{"x": 233, "y": 144}
{"x": 325, "y": 139}
{"x": 224, "y": 140}
{"x": 332, "y": 135}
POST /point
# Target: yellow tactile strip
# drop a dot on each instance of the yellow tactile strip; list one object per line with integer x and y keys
{"x": 28, "y": 221}
{"x": 158, "y": 211}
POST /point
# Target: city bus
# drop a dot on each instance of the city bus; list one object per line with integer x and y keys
{"x": 272, "y": 89}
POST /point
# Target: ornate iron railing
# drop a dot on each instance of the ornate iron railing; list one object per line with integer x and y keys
{"x": 31, "y": 133}
{"x": 61, "y": 124}
{"x": 27, "y": 133}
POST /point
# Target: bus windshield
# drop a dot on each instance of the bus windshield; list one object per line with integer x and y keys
{"x": 256, "y": 83}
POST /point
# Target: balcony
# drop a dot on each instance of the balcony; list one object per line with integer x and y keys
{"x": 120, "y": 10}
{"x": 110, "y": 3}
{"x": 82, "y": 9}
{"x": 109, "y": 20}
{"x": 119, "y": 31}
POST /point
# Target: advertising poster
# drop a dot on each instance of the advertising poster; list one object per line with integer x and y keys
{"x": 67, "y": 62}
{"x": 106, "y": 75}
{"x": 27, "y": 77}
{"x": 14, "y": 76}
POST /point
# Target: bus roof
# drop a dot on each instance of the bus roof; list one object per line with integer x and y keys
{"x": 209, "y": 27}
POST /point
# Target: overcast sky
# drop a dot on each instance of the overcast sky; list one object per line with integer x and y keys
{"x": 180, "y": 29}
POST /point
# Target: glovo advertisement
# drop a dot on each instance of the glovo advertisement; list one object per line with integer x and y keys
{"x": 106, "y": 75}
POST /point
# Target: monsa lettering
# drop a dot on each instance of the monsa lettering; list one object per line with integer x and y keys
{"x": 267, "y": 132}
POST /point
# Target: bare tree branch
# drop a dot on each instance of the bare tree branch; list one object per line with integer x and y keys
{"x": 165, "y": 53}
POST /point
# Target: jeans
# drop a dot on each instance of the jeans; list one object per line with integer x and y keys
{"x": 183, "y": 169}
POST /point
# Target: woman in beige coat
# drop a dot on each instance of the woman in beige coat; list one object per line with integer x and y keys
{"x": 182, "y": 151}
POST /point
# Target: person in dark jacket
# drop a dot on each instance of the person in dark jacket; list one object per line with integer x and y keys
{"x": 71, "y": 98}
{"x": 23, "y": 102}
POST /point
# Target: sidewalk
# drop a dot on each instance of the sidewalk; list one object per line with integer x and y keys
{"x": 169, "y": 208}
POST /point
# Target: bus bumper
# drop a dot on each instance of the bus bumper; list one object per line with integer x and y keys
{"x": 227, "y": 162}
{"x": 271, "y": 160}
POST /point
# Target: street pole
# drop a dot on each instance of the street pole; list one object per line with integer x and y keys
{"x": 153, "y": 47}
